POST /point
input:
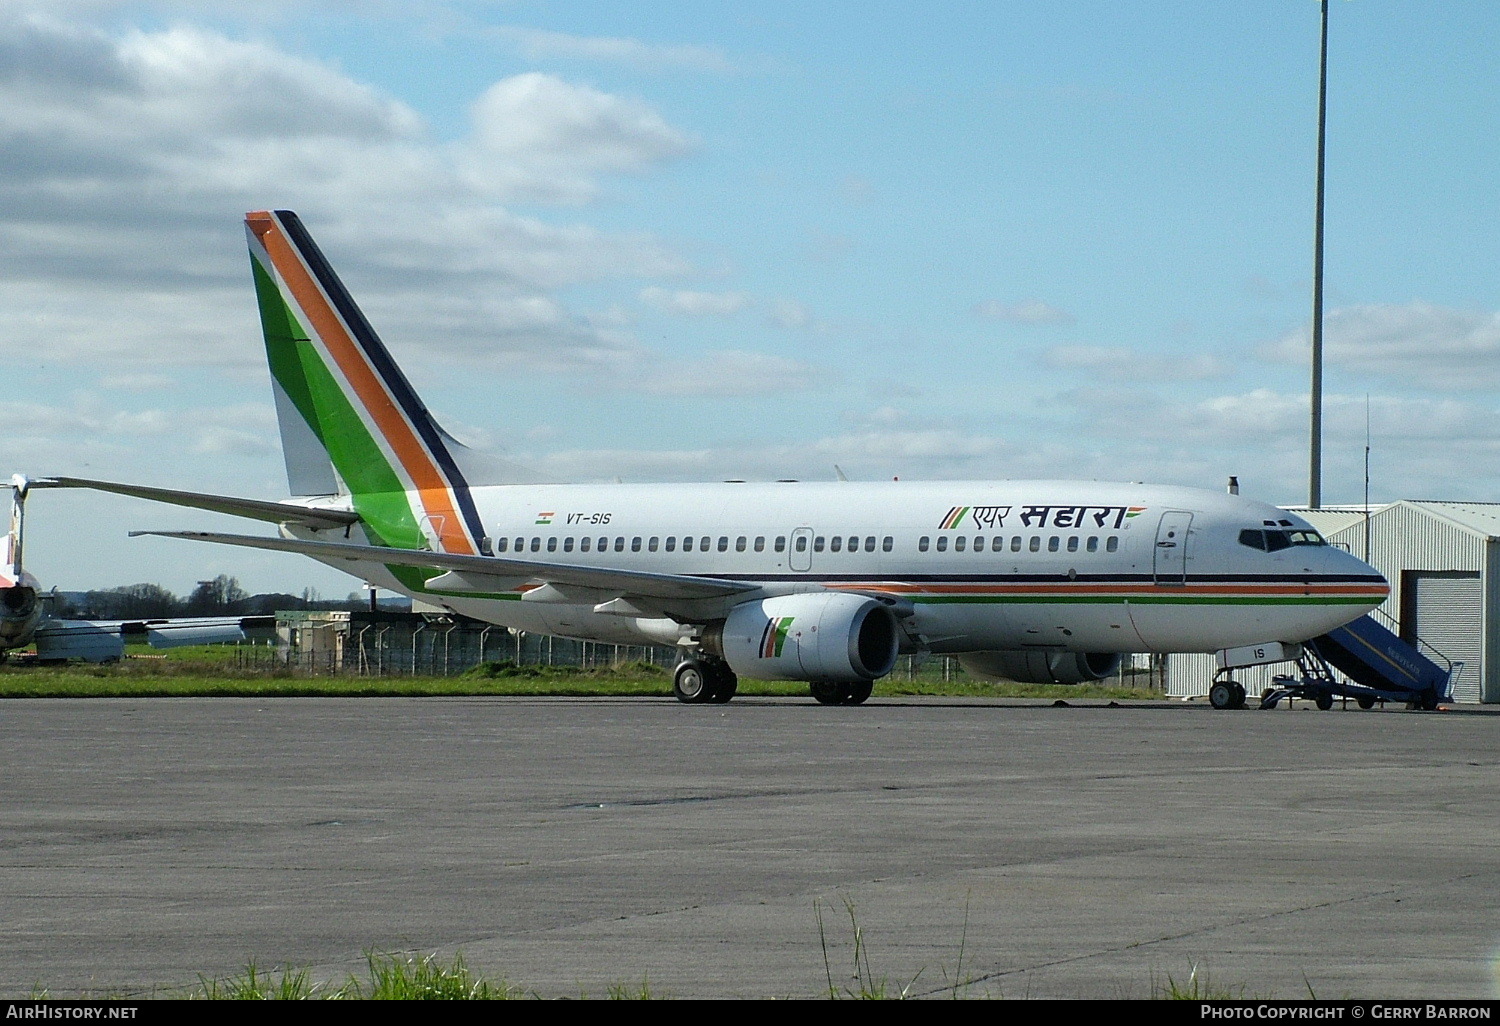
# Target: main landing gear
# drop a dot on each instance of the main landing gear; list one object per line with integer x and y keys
{"x": 830, "y": 692}
{"x": 704, "y": 680}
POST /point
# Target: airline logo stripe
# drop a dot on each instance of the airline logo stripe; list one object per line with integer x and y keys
{"x": 773, "y": 638}
{"x": 954, "y": 518}
{"x": 391, "y": 425}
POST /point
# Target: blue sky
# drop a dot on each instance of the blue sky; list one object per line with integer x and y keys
{"x": 688, "y": 241}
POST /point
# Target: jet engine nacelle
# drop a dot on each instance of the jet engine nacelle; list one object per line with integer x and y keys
{"x": 822, "y": 636}
{"x": 1030, "y": 666}
{"x": 20, "y": 612}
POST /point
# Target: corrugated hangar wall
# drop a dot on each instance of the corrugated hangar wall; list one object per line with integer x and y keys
{"x": 1443, "y": 562}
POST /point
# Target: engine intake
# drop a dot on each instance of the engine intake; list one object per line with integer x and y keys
{"x": 823, "y": 636}
{"x": 1034, "y": 666}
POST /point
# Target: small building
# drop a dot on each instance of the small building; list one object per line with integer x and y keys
{"x": 1443, "y": 562}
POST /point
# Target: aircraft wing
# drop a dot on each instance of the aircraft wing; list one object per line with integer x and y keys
{"x": 255, "y": 509}
{"x": 479, "y": 573}
{"x": 100, "y": 640}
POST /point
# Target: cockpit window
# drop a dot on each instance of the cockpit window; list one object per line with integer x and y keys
{"x": 1276, "y": 540}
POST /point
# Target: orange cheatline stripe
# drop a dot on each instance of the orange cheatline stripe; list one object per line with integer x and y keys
{"x": 432, "y": 486}
{"x": 1114, "y": 589}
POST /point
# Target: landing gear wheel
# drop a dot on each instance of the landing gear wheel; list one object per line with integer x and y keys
{"x": 1221, "y": 695}
{"x": 1239, "y": 695}
{"x": 859, "y": 692}
{"x": 723, "y": 683}
{"x": 690, "y": 682}
{"x": 1365, "y": 702}
{"x": 1428, "y": 701}
{"x": 831, "y": 692}
{"x": 1324, "y": 701}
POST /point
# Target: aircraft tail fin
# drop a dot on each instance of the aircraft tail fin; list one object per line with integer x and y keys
{"x": 351, "y": 423}
{"x": 11, "y": 571}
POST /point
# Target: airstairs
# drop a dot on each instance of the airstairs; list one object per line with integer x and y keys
{"x": 1379, "y": 665}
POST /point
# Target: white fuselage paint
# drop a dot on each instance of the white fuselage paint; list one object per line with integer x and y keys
{"x": 1175, "y": 578}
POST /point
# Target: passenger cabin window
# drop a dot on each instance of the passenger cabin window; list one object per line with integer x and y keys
{"x": 723, "y": 543}
{"x": 671, "y": 543}
{"x": 760, "y": 543}
{"x": 1112, "y": 545}
{"x": 802, "y": 543}
{"x": 687, "y": 544}
{"x": 979, "y": 543}
{"x": 739, "y": 544}
{"x": 818, "y": 543}
{"x": 1015, "y": 544}
{"x": 551, "y": 544}
{"x": 651, "y": 544}
{"x": 501, "y": 544}
{"x": 922, "y": 544}
{"x": 1052, "y": 543}
{"x": 958, "y": 543}
{"x": 942, "y": 545}
{"x": 1036, "y": 543}
{"x": 568, "y": 544}
{"x": 1073, "y": 543}
{"x": 1093, "y": 545}
{"x": 835, "y": 544}
{"x": 888, "y": 544}
{"x": 635, "y": 545}
{"x": 781, "y": 543}
{"x": 619, "y": 544}
{"x": 536, "y": 545}
{"x": 870, "y": 543}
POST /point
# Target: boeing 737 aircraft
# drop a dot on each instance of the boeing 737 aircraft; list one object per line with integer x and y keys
{"x": 1041, "y": 581}
{"x": 24, "y": 622}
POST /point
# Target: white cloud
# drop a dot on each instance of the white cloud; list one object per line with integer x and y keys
{"x": 1416, "y": 343}
{"x": 694, "y": 304}
{"x": 539, "y": 138}
{"x": 789, "y": 313}
{"x": 540, "y": 44}
{"x": 125, "y": 162}
{"x": 1030, "y": 311}
{"x": 1130, "y": 365}
{"x": 724, "y": 373}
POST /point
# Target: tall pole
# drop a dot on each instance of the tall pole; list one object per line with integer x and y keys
{"x": 1315, "y": 449}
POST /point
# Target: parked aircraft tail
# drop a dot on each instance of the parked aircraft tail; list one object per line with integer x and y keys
{"x": 350, "y": 421}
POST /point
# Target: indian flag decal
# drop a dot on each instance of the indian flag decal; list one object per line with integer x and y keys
{"x": 545, "y": 518}
{"x": 954, "y": 518}
{"x": 1134, "y": 511}
{"x": 773, "y": 638}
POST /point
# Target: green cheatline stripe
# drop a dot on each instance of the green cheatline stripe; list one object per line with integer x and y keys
{"x": 1142, "y": 600}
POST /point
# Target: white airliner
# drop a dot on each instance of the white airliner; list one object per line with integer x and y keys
{"x": 24, "y": 621}
{"x": 1044, "y": 581}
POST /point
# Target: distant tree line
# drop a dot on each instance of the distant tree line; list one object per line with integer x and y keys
{"x": 221, "y": 596}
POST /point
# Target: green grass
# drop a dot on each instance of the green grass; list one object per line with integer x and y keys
{"x": 1197, "y": 987}
{"x": 212, "y": 670}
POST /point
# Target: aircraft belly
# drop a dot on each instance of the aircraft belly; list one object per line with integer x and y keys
{"x": 1181, "y": 627}
{"x": 1077, "y": 627}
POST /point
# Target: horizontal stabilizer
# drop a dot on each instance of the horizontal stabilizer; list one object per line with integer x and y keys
{"x": 616, "y": 582}
{"x": 254, "y": 509}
